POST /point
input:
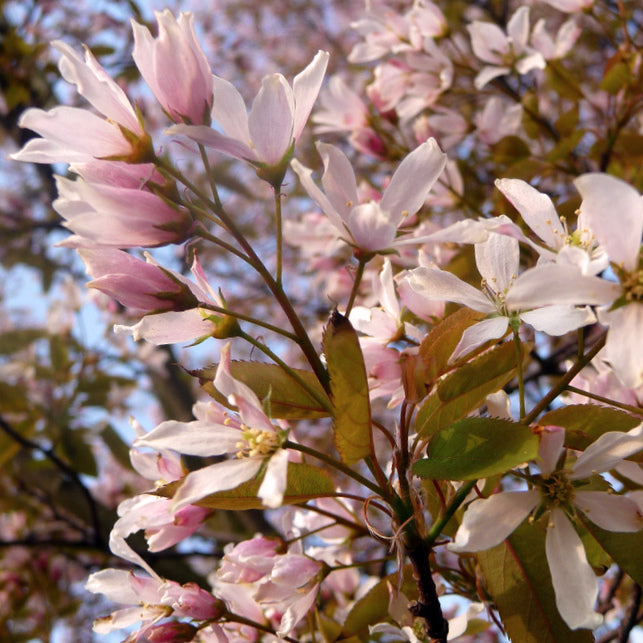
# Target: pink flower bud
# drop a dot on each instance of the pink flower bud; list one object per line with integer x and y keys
{"x": 175, "y": 67}
{"x": 171, "y": 633}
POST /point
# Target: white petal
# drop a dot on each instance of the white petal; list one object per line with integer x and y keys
{"x": 536, "y": 209}
{"x": 558, "y": 319}
{"x": 609, "y": 511}
{"x": 478, "y": 334}
{"x": 552, "y": 440}
{"x": 171, "y": 327}
{"x": 606, "y": 452}
{"x": 338, "y": 180}
{"x": 438, "y": 285}
{"x": 551, "y": 283}
{"x": 487, "y": 522}
{"x": 613, "y": 210}
{"x": 574, "y": 581}
{"x": 497, "y": 259}
{"x": 216, "y": 477}
{"x": 273, "y": 485}
{"x": 192, "y": 438}
{"x": 624, "y": 346}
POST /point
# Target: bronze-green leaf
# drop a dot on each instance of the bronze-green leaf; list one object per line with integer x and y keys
{"x": 288, "y": 398}
{"x": 349, "y": 390}
{"x": 477, "y": 448}
{"x": 464, "y": 390}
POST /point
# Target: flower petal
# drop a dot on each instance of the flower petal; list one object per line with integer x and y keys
{"x": 574, "y": 580}
{"x": 478, "y": 334}
{"x": 273, "y": 486}
{"x": 487, "y": 522}
{"x": 220, "y": 476}
{"x": 609, "y": 511}
{"x": 306, "y": 85}
{"x": 558, "y": 319}
{"x": 438, "y": 285}
{"x": 412, "y": 181}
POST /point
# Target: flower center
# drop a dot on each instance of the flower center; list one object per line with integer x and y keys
{"x": 557, "y": 490}
{"x": 632, "y": 284}
{"x": 256, "y": 442}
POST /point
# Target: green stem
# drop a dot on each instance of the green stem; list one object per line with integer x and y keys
{"x": 336, "y": 465}
{"x": 278, "y": 237}
{"x": 303, "y": 340}
{"x": 440, "y": 523}
{"x": 249, "y": 319}
{"x": 359, "y": 273}
{"x": 324, "y": 404}
{"x": 562, "y": 383}
{"x": 521, "y": 380}
{"x": 208, "y": 173}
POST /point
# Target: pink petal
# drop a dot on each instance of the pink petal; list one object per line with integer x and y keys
{"x": 210, "y": 138}
{"x": 271, "y": 119}
{"x": 170, "y": 327}
{"x": 412, "y": 181}
{"x": 306, "y": 85}
{"x": 338, "y": 180}
{"x": 229, "y": 110}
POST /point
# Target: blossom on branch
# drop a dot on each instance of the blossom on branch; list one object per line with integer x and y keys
{"x": 252, "y": 443}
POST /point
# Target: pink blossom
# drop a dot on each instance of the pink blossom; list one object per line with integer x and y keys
{"x": 121, "y": 216}
{"x": 372, "y": 226}
{"x": 175, "y": 67}
{"x": 504, "y": 51}
{"x": 265, "y": 136}
{"x": 71, "y": 134}
{"x": 545, "y": 297}
{"x": 252, "y": 442}
{"x": 613, "y": 211}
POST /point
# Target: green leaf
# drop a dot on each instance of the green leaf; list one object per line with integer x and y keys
{"x": 304, "y": 483}
{"x": 584, "y": 423}
{"x": 517, "y": 579}
{"x": 78, "y": 452}
{"x": 116, "y": 445}
{"x": 624, "y": 548}
{"x": 438, "y": 346}
{"x": 477, "y": 448}
{"x": 349, "y": 390}
{"x": 288, "y": 399}
{"x": 464, "y": 390}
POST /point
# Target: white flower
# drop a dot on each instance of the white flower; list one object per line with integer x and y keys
{"x": 253, "y": 443}
{"x": 488, "y": 522}
{"x": 545, "y": 297}
{"x": 613, "y": 210}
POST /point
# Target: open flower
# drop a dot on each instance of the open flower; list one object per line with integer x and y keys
{"x": 372, "y": 226}
{"x": 252, "y": 444}
{"x": 265, "y": 136}
{"x": 545, "y": 297}
{"x": 613, "y": 210}
{"x": 72, "y": 134}
{"x": 504, "y": 51}
{"x": 488, "y": 522}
